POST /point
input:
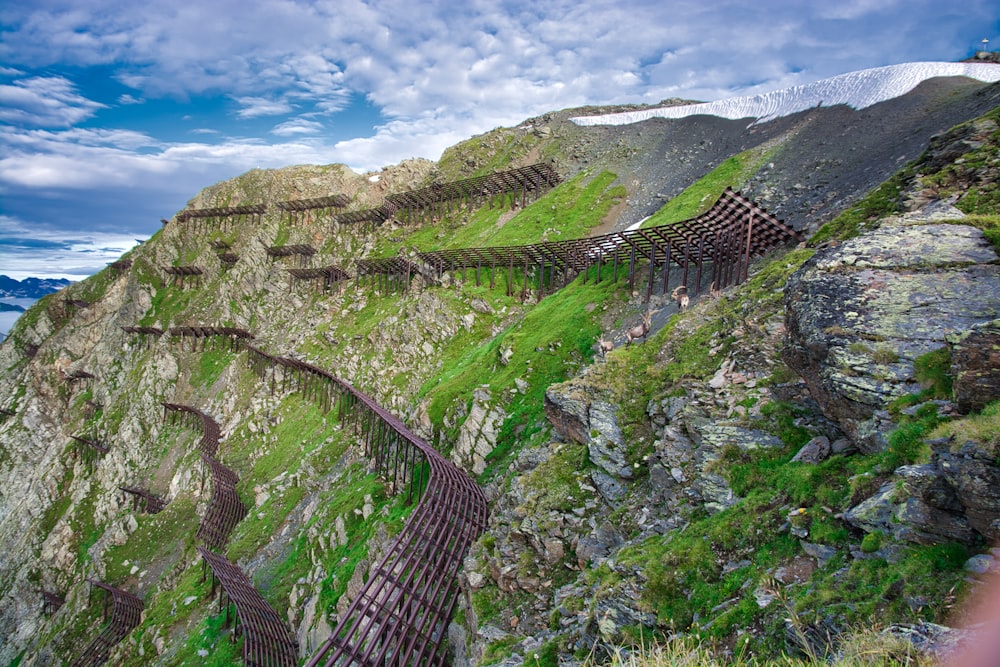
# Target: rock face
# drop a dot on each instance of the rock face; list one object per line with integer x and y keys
{"x": 478, "y": 435}
{"x": 955, "y": 497}
{"x": 859, "y": 313}
{"x": 975, "y": 365}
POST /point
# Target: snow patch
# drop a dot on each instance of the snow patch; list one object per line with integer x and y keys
{"x": 856, "y": 89}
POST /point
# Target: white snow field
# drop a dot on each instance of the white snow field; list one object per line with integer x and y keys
{"x": 856, "y": 89}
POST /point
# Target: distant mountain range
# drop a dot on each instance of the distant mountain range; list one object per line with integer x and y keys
{"x": 30, "y": 288}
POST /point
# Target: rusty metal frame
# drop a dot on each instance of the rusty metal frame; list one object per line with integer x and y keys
{"x": 268, "y": 642}
{"x": 402, "y": 614}
{"x": 232, "y": 337}
{"x": 51, "y": 602}
{"x": 221, "y": 216}
{"x": 324, "y": 277}
{"x": 126, "y": 614}
{"x": 228, "y": 259}
{"x": 298, "y": 209}
{"x": 225, "y": 508}
{"x": 150, "y": 504}
{"x": 727, "y": 236}
{"x": 439, "y": 198}
{"x": 178, "y": 274}
{"x": 120, "y": 266}
{"x": 301, "y": 250}
{"x": 89, "y": 450}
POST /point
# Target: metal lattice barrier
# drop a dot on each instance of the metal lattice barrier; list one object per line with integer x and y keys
{"x": 268, "y": 643}
{"x": 179, "y": 274}
{"x": 225, "y": 508}
{"x": 402, "y": 614}
{"x": 231, "y": 337}
{"x": 126, "y": 613}
{"x": 299, "y": 209}
{"x": 724, "y": 239}
{"x": 324, "y": 278}
{"x": 143, "y": 499}
{"x": 221, "y": 216}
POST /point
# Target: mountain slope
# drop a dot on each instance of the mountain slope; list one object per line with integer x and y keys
{"x": 468, "y": 368}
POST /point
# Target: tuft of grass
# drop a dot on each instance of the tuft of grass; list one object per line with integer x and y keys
{"x": 982, "y": 428}
{"x": 933, "y": 371}
{"x": 881, "y": 202}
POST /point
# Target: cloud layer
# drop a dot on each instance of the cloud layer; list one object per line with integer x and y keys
{"x": 117, "y": 101}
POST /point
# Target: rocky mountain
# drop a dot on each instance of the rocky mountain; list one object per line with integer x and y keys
{"x": 786, "y": 458}
{"x": 30, "y": 288}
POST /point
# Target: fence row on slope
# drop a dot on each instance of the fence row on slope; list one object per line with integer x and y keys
{"x": 402, "y": 614}
{"x": 517, "y": 183}
{"x": 225, "y": 509}
{"x": 126, "y": 614}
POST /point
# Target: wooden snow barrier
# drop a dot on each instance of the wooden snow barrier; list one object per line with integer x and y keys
{"x": 225, "y": 508}
{"x": 196, "y": 419}
{"x": 401, "y": 615}
{"x": 229, "y": 337}
{"x": 268, "y": 642}
{"x": 389, "y": 274}
{"x": 323, "y": 278}
{"x": 493, "y": 190}
{"x": 150, "y": 504}
{"x": 51, "y": 602}
{"x": 126, "y": 614}
{"x": 78, "y": 374}
{"x": 121, "y": 266}
{"x": 178, "y": 274}
{"x": 77, "y": 303}
{"x": 299, "y": 209}
{"x": 89, "y": 450}
{"x": 198, "y": 218}
{"x": 146, "y": 334}
{"x": 374, "y": 216}
{"x": 228, "y": 259}
{"x": 5, "y": 413}
{"x": 300, "y": 250}
{"x": 724, "y": 238}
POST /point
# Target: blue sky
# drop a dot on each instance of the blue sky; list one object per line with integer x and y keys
{"x": 114, "y": 113}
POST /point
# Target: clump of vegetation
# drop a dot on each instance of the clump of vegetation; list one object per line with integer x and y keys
{"x": 861, "y": 648}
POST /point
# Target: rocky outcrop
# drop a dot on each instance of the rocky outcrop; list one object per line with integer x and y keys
{"x": 858, "y": 314}
{"x": 975, "y": 366}
{"x": 954, "y": 498}
{"x": 478, "y": 435}
{"x": 582, "y": 414}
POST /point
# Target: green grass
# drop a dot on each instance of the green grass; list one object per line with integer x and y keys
{"x": 699, "y": 196}
{"x": 883, "y": 201}
{"x": 570, "y": 210}
{"x": 488, "y": 153}
{"x": 551, "y": 341}
{"x": 168, "y": 535}
{"x": 211, "y": 364}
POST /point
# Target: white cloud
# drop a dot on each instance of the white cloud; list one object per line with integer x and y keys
{"x": 39, "y": 101}
{"x": 254, "y": 107}
{"x": 129, "y": 100}
{"x": 297, "y": 126}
